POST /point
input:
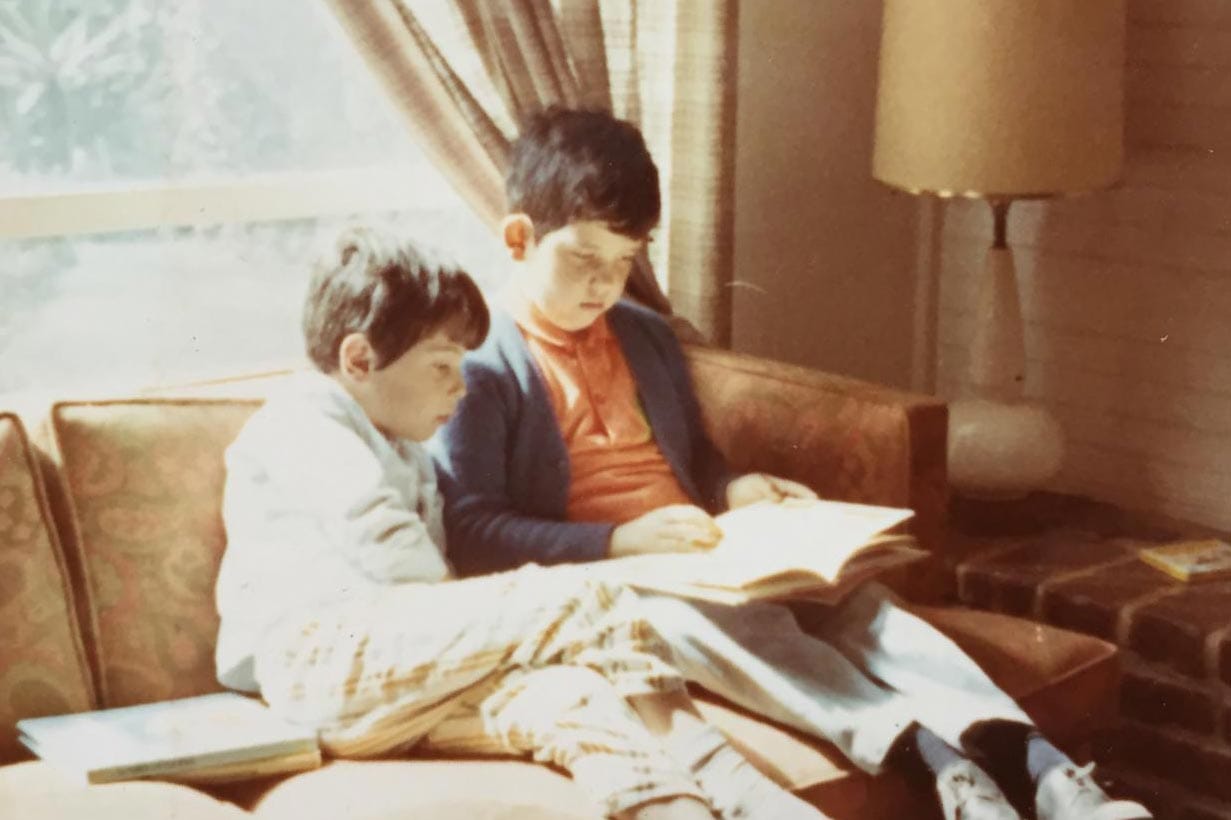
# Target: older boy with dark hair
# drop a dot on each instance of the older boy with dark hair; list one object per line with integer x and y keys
{"x": 337, "y": 604}
{"x": 580, "y": 439}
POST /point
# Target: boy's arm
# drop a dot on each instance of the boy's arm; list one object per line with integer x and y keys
{"x": 331, "y": 476}
{"x": 486, "y": 532}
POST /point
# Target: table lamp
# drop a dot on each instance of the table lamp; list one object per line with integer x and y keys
{"x": 1000, "y": 100}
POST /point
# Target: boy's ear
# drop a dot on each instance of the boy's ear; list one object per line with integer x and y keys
{"x": 356, "y": 359}
{"x": 518, "y": 233}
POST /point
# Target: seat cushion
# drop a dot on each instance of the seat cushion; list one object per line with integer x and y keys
{"x": 444, "y": 789}
{"x": 43, "y": 669}
{"x": 144, "y": 493}
{"x": 514, "y": 788}
{"x": 35, "y": 789}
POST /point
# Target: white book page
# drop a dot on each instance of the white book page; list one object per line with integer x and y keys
{"x": 764, "y": 540}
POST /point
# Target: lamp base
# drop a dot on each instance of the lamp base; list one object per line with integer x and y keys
{"x": 1001, "y": 450}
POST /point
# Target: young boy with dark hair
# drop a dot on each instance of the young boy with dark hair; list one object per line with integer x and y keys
{"x": 337, "y": 603}
{"x": 580, "y": 439}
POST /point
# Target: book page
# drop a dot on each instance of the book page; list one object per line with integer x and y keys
{"x": 786, "y": 545}
{"x": 763, "y": 540}
{"x": 803, "y": 585}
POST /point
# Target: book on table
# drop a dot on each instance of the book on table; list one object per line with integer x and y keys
{"x": 819, "y": 550}
{"x": 1205, "y": 559}
{"x": 210, "y": 738}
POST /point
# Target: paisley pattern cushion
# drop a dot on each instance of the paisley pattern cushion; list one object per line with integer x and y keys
{"x": 42, "y": 664}
{"x": 144, "y": 479}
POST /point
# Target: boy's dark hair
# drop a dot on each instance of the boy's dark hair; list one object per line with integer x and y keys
{"x": 570, "y": 165}
{"x": 391, "y": 291}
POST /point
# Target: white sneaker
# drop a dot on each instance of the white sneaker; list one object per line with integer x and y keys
{"x": 967, "y": 793}
{"x": 1069, "y": 793}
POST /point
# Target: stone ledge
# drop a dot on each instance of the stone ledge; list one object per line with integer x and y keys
{"x": 1199, "y": 766}
{"x": 1081, "y": 581}
{"x": 1072, "y": 563}
{"x": 1163, "y": 798}
{"x": 1165, "y": 700}
{"x": 1094, "y": 602}
{"x": 1204, "y": 811}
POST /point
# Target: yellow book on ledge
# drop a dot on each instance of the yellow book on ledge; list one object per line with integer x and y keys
{"x": 1200, "y": 560}
{"x": 819, "y": 550}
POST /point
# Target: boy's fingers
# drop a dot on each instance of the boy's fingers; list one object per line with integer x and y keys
{"x": 691, "y": 534}
{"x": 793, "y": 489}
{"x": 692, "y": 529}
{"x": 700, "y": 544}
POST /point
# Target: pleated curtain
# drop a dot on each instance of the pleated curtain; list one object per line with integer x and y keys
{"x": 464, "y": 73}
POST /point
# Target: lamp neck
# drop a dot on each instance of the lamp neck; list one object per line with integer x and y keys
{"x": 1000, "y": 217}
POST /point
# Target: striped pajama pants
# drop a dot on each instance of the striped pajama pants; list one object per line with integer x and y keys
{"x": 536, "y": 661}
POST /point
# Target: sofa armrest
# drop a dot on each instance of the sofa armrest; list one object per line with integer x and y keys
{"x": 845, "y": 438}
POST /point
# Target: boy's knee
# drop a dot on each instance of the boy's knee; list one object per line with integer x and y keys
{"x": 568, "y": 687}
{"x": 679, "y": 619}
{"x": 616, "y": 601}
{"x": 671, "y": 615}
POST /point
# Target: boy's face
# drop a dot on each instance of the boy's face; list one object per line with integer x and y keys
{"x": 413, "y": 395}
{"x": 576, "y": 273}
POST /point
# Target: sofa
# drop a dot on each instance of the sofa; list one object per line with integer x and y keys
{"x": 110, "y": 535}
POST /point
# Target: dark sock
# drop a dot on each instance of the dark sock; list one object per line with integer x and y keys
{"x": 1015, "y": 755}
{"x": 921, "y": 755}
{"x": 1042, "y": 757}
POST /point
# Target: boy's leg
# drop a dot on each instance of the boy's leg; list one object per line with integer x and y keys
{"x": 567, "y": 716}
{"x": 962, "y": 705}
{"x": 375, "y": 674}
{"x": 757, "y": 656}
{"x": 573, "y": 718}
{"x": 734, "y": 786}
{"x": 948, "y": 691}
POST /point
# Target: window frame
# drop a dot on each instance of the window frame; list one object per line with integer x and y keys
{"x": 120, "y": 207}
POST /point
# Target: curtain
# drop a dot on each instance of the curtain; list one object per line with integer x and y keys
{"x": 464, "y": 72}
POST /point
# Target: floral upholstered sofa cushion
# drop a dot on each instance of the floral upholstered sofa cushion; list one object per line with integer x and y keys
{"x": 42, "y": 662}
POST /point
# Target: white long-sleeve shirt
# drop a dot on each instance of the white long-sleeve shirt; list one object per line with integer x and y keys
{"x": 319, "y": 507}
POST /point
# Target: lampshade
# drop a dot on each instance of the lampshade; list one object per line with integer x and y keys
{"x": 1000, "y": 98}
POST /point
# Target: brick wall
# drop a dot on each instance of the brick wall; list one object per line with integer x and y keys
{"x": 1171, "y": 745}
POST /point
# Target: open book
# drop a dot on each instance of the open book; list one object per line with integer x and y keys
{"x": 818, "y": 550}
{"x": 211, "y": 738}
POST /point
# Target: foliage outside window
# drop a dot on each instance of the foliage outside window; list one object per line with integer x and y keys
{"x": 166, "y": 170}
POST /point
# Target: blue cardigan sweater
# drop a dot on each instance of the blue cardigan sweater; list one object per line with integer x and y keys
{"x": 504, "y": 466}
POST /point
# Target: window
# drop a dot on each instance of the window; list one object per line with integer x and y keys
{"x": 166, "y": 170}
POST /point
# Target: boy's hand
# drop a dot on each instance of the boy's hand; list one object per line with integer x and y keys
{"x": 677, "y": 528}
{"x": 754, "y": 487}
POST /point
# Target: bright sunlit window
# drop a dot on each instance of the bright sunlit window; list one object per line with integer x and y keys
{"x": 167, "y": 169}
